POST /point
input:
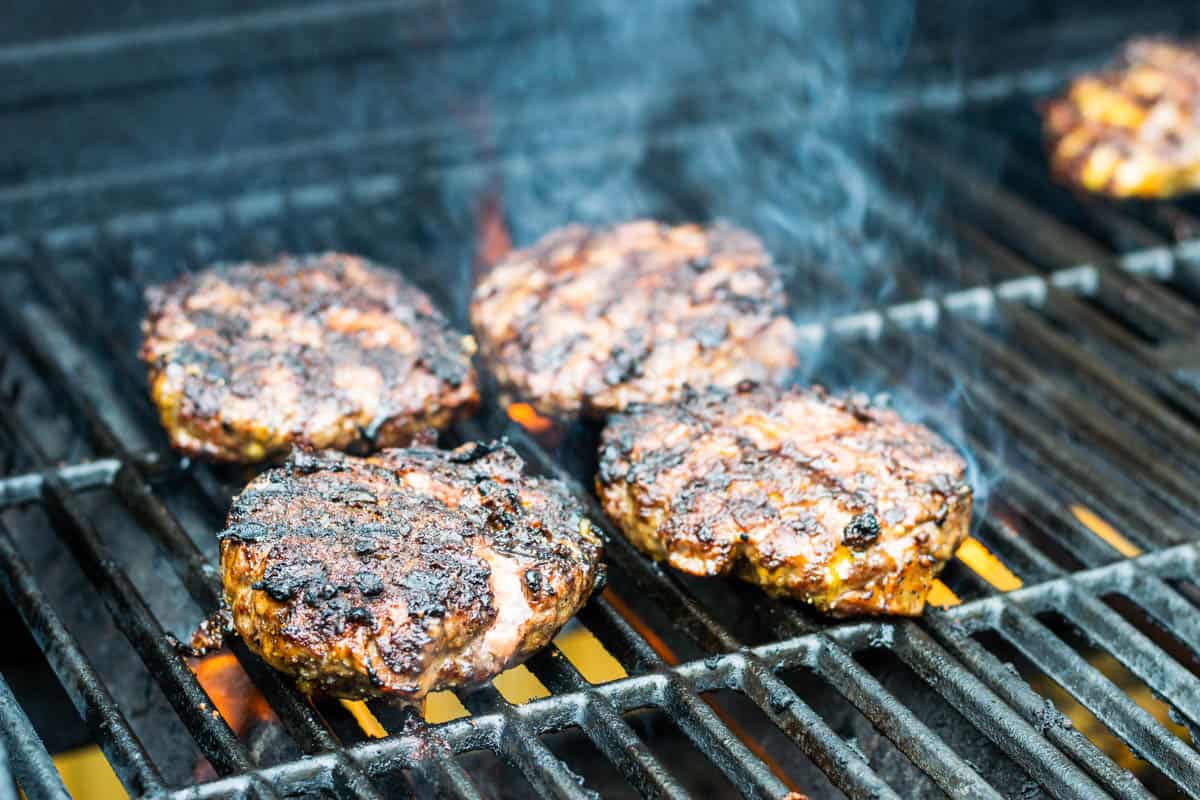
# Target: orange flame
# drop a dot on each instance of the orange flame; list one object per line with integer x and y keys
{"x": 235, "y": 697}
{"x": 232, "y": 692}
{"x": 984, "y": 563}
{"x": 524, "y": 415}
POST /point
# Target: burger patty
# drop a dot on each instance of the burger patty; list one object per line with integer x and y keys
{"x": 324, "y": 351}
{"x": 593, "y": 320}
{"x": 1132, "y": 130}
{"x": 412, "y": 570}
{"x": 831, "y": 501}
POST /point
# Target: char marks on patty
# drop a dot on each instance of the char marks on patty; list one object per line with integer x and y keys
{"x": 411, "y": 570}
{"x": 591, "y": 320}
{"x": 828, "y": 500}
{"x": 324, "y": 351}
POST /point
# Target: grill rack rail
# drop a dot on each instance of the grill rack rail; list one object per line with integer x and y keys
{"x": 940, "y": 648}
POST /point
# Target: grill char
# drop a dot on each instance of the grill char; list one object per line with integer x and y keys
{"x": 827, "y": 500}
{"x": 326, "y": 351}
{"x": 410, "y": 570}
{"x": 593, "y": 320}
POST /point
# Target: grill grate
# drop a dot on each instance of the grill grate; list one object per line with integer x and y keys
{"x": 1085, "y": 404}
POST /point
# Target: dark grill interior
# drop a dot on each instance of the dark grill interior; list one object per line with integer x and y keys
{"x": 1053, "y": 337}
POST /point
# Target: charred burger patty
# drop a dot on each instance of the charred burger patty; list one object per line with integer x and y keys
{"x": 593, "y": 320}
{"x": 411, "y": 570}
{"x": 326, "y": 351}
{"x": 1132, "y": 130}
{"x": 826, "y": 500}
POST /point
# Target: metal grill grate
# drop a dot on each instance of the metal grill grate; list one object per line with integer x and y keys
{"x": 1088, "y": 405}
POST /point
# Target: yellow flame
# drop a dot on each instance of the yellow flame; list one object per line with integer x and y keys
{"x": 443, "y": 707}
{"x": 519, "y": 685}
{"x": 87, "y": 775}
{"x": 367, "y": 721}
{"x": 1106, "y": 532}
{"x": 584, "y": 650}
{"x": 942, "y": 596}
{"x": 990, "y": 568}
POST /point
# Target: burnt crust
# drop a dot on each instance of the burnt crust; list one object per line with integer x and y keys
{"x": 592, "y": 320}
{"x": 326, "y": 351}
{"x": 1132, "y": 129}
{"x": 411, "y": 570}
{"x": 833, "y": 501}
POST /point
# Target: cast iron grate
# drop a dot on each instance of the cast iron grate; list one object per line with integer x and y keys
{"x": 1077, "y": 401}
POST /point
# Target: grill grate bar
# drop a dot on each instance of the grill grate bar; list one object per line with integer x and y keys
{"x": 603, "y": 724}
{"x": 701, "y": 724}
{"x": 1022, "y": 486}
{"x": 1141, "y": 508}
{"x": 1091, "y": 688}
{"x": 548, "y": 775}
{"x": 217, "y": 741}
{"x": 1167, "y": 606}
{"x": 1037, "y": 389}
{"x": 76, "y": 674}
{"x": 27, "y": 488}
{"x": 1109, "y": 630}
{"x": 1131, "y": 398}
{"x": 620, "y": 745}
{"x": 620, "y": 638}
{"x": 845, "y": 767}
{"x": 989, "y": 714}
{"x": 1036, "y": 709}
{"x": 696, "y": 719}
{"x": 23, "y": 749}
{"x": 296, "y": 778}
{"x": 1015, "y": 550}
{"x": 1145, "y": 306}
{"x": 440, "y": 773}
{"x": 1073, "y": 465}
{"x": 953, "y": 774}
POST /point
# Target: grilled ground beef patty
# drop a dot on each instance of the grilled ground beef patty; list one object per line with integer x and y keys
{"x": 412, "y": 570}
{"x": 325, "y": 351}
{"x": 593, "y": 320}
{"x": 826, "y": 500}
{"x": 1132, "y": 130}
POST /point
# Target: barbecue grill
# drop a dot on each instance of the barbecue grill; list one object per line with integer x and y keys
{"x": 1054, "y": 337}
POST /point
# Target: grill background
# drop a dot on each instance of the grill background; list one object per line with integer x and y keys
{"x": 1054, "y": 337}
